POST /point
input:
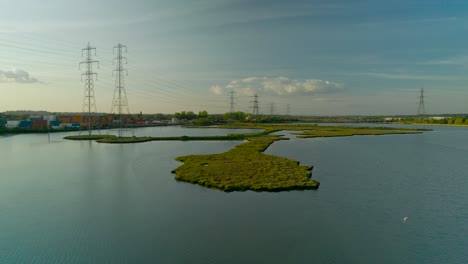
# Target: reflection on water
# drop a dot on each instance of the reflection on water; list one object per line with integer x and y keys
{"x": 84, "y": 202}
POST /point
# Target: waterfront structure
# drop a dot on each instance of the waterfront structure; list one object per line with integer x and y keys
{"x": 12, "y": 123}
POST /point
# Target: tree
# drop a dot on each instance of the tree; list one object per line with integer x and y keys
{"x": 159, "y": 116}
{"x": 183, "y": 115}
{"x": 238, "y": 116}
{"x": 203, "y": 122}
{"x": 203, "y": 114}
{"x": 190, "y": 115}
{"x": 458, "y": 121}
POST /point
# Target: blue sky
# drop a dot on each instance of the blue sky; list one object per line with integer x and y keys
{"x": 333, "y": 57}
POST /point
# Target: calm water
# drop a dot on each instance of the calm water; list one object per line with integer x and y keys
{"x": 80, "y": 202}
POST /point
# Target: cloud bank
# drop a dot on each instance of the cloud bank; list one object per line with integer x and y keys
{"x": 215, "y": 89}
{"x": 278, "y": 86}
{"x": 18, "y": 76}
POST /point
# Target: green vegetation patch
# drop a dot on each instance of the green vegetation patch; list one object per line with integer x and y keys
{"x": 310, "y": 131}
{"x": 120, "y": 140}
{"x": 306, "y": 129}
{"x": 269, "y": 127}
{"x": 123, "y": 140}
{"x": 88, "y": 137}
{"x": 244, "y": 168}
{"x": 322, "y": 131}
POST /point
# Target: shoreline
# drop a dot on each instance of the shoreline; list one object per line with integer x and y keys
{"x": 446, "y": 125}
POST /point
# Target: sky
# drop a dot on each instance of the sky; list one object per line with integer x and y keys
{"x": 321, "y": 57}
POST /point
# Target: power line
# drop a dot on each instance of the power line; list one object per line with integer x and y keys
{"x": 89, "y": 101}
{"x": 160, "y": 89}
{"x": 35, "y": 50}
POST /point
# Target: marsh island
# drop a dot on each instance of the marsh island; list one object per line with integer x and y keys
{"x": 246, "y": 167}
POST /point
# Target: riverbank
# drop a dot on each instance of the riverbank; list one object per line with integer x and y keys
{"x": 89, "y": 137}
{"x": 424, "y": 124}
{"x": 354, "y": 131}
{"x": 124, "y": 140}
{"x": 14, "y": 131}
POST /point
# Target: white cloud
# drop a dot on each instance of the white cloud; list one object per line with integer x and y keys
{"x": 459, "y": 61}
{"x": 233, "y": 84}
{"x": 250, "y": 80}
{"x": 215, "y": 89}
{"x": 281, "y": 86}
{"x": 18, "y": 76}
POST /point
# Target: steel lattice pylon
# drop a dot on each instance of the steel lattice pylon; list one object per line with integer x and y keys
{"x": 255, "y": 111}
{"x": 421, "y": 108}
{"x": 89, "y": 101}
{"x": 231, "y": 105}
{"x": 119, "y": 101}
{"x": 272, "y": 108}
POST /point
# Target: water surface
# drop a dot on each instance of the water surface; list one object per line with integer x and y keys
{"x": 82, "y": 202}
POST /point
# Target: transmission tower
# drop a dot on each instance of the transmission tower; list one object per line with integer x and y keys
{"x": 255, "y": 105}
{"x": 89, "y": 101}
{"x": 272, "y": 108}
{"x": 421, "y": 109}
{"x": 119, "y": 102}
{"x": 231, "y": 105}
{"x": 288, "y": 109}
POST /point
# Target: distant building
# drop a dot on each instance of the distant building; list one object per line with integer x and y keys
{"x": 39, "y": 123}
{"x": 72, "y": 125}
{"x": 55, "y": 124}
{"x": 65, "y": 119}
{"x": 34, "y": 116}
{"x": 12, "y": 124}
{"x": 50, "y": 117}
{"x": 391, "y": 119}
{"x": 3, "y": 121}
{"x": 77, "y": 119}
{"x": 25, "y": 124}
{"x": 175, "y": 120}
{"x": 440, "y": 117}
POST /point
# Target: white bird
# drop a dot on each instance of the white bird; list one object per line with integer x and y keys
{"x": 405, "y": 218}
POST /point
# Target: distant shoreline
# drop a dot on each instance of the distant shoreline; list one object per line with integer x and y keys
{"x": 424, "y": 124}
{"x": 14, "y": 131}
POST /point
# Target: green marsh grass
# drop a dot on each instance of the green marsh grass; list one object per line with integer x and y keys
{"x": 88, "y": 137}
{"x": 246, "y": 167}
